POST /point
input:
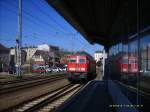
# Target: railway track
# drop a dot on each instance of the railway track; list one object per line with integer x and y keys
{"x": 20, "y": 80}
{"x": 136, "y": 97}
{"x": 25, "y": 79}
{"x": 20, "y": 86}
{"x": 134, "y": 89}
{"x": 50, "y": 101}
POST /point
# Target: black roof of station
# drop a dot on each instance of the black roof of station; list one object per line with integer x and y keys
{"x": 105, "y": 22}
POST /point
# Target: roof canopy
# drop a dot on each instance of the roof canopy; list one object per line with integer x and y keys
{"x": 106, "y": 22}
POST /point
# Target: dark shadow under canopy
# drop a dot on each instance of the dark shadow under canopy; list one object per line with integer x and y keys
{"x": 105, "y": 22}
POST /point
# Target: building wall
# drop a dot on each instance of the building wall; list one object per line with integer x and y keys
{"x": 43, "y": 47}
{"x": 23, "y": 55}
{"x": 97, "y": 56}
{"x": 4, "y": 61}
{"x": 37, "y": 58}
{"x": 49, "y": 48}
{"x": 30, "y": 52}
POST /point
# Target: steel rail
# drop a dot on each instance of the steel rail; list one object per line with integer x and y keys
{"x": 134, "y": 89}
{"x": 27, "y": 79}
{"x": 53, "y": 96}
{"x": 29, "y": 85}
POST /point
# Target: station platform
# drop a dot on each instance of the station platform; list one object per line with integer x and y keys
{"x": 99, "y": 96}
{"x": 92, "y": 98}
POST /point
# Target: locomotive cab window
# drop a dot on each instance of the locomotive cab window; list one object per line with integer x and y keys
{"x": 148, "y": 57}
{"x": 125, "y": 61}
{"x": 82, "y": 60}
{"x": 72, "y": 60}
{"x": 133, "y": 61}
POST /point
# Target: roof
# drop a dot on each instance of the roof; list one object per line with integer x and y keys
{"x": 40, "y": 52}
{"x": 2, "y": 47}
{"x": 81, "y": 53}
{"x": 105, "y": 22}
{"x": 98, "y": 51}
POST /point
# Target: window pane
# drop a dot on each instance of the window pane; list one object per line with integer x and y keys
{"x": 148, "y": 56}
{"x": 72, "y": 60}
{"x": 81, "y": 60}
{"x": 145, "y": 55}
{"x": 125, "y": 61}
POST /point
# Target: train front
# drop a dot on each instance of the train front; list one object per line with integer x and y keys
{"x": 77, "y": 68}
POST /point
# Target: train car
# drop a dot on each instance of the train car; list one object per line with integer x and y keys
{"x": 123, "y": 67}
{"x": 129, "y": 60}
{"x": 38, "y": 69}
{"x": 81, "y": 67}
{"x": 128, "y": 67}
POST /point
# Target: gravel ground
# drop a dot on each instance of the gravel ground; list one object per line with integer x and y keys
{"x": 12, "y": 99}
{"x": 4, "y": 77}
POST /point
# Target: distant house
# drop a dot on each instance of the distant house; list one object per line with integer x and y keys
{"x": 99, "y": 55}
{"x": 38, "y": 57}
{"x": 4, "y": 58}
{"x": 51, "y": 51}
{"x": 46, "y": 47}
{"x": 13, "y": 56}
{"x": 30, "y": 52}
{"x": 41, "y": 57}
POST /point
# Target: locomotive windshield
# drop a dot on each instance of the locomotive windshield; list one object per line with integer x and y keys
{"x": 125, "y": 61}
{"x": 72, "y": 60}
{"x": 130, "y": 61}
{"x": 82, "y": 60}
{"x": 133, "y": 61}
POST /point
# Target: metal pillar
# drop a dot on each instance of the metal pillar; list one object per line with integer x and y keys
{"x": 19, "y": 39}
{"x": 104, "y": 57}
{"x": 139, "y": 57}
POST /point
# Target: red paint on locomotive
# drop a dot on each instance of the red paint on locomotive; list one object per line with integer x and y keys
{"x": 129, "y": 64}
{"x": 81, "y": 66}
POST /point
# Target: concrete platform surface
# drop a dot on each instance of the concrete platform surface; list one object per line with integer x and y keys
{"x": 92, "y": 98}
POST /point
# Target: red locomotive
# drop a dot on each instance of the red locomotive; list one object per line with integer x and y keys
{"x": 124, "y": 67}
{"x": 129, "y": 67}
{"x": 81, "y": 67}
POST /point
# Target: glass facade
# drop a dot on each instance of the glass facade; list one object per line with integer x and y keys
{"x": 130, "y": 49}
{"x": 145, "y": 55}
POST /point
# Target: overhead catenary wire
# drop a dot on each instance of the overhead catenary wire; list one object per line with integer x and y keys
{"x": 39, "y": 20}
{"x": 41, "y": 23}
{"x": 28, "y": 18}
{"x": 49, "y": 16}
{"x": 36, "y": 5}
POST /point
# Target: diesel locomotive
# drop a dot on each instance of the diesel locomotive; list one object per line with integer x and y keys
{"x": 81, "y": 67}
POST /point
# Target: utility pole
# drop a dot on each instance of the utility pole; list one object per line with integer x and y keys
{"x": 54, "y": 60}
{"x": 72, "y": 41}
{"x": 19, "y": 39}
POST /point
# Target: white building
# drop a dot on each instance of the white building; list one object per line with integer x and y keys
{"x": 49, "y": 48}
{"x": 98, "y": 55}
{"x": 101, "y": 56}
{"x": 30, "y": 52}
{"x": 43, "y": 47}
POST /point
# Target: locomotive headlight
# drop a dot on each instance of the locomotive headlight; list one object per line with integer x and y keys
{"x": 82, "y": 68}
{"x": 124, "y": 69}
{"x": 71, "y": 68}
